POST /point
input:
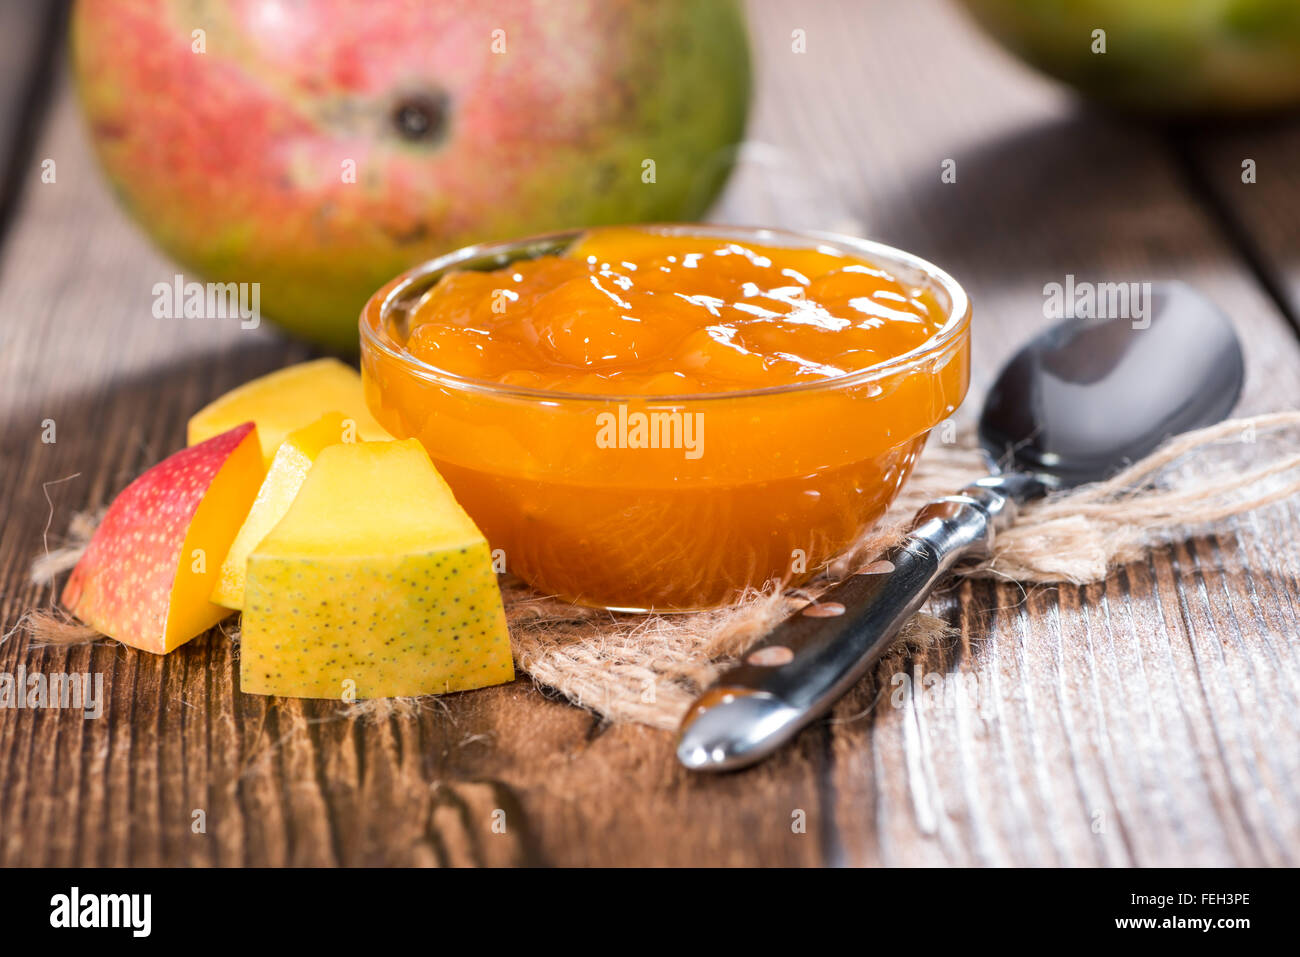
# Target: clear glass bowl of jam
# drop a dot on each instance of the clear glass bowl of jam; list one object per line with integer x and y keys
{"x": 659, "y": 418}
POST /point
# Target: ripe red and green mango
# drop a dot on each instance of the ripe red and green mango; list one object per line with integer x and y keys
{"x": 1168, "y": 56}
{"x": 321, "y": 148}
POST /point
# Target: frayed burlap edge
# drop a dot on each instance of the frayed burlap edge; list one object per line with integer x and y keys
{"x": 648, "y": 668}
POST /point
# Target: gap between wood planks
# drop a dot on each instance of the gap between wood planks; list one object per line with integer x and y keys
{"x": 1179, "y": 139}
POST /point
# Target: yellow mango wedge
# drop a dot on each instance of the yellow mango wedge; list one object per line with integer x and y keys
{"x": 283, "y": 479}
{"x": 286, "y": 400}
{"x": 374, "y": 584}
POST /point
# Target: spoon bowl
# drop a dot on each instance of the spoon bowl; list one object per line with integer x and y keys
{"x": 1088, "y": 396}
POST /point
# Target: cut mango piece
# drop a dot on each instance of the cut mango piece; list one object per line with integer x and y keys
{"x": 287, "y": 400}
{"x": 374, "y": 584}
{"x": 147, "y": 574}
{"x": 283, "y": 479}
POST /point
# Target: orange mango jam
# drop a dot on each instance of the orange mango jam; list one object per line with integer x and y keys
{"x": 652, "y": 419}
{"x": 626, "y": 312}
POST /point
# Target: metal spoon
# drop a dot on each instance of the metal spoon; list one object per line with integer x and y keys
{"x": 1076, "y": 404}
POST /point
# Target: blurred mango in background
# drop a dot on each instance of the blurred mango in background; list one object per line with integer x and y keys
{"x": 1180, "y": 57}
{"x": 320, "y": 148}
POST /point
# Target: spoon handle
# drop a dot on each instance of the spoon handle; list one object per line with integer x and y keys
{"x": 814, "y": 656}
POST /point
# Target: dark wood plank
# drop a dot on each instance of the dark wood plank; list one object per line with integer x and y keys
{"x": 1258, "y": 215}
{"x": 29, "y": 34}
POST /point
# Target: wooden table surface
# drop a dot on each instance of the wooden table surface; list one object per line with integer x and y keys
{"x": 1149, "y": 719}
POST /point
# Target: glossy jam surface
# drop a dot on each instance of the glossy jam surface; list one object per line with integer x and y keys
{"x": 701, "y": 435}
{"x": 628, "y": 312}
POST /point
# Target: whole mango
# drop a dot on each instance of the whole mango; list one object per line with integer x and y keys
{"x": 1179, "y": 57}
{"x": 319, "y": 148}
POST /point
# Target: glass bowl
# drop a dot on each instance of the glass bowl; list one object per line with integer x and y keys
{"x": 669, "y": 503}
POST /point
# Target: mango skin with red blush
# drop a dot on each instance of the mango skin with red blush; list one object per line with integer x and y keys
{"x": 149, "y": 569}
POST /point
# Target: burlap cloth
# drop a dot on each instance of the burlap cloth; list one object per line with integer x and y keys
{"x": 648, "y": 668}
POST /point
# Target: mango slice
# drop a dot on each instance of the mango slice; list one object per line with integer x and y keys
{"x": 286, "y": 400}
{"x": 374, "y": 584}
{"x": 147, "y": 574}
{"x": 283, "y": 479}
